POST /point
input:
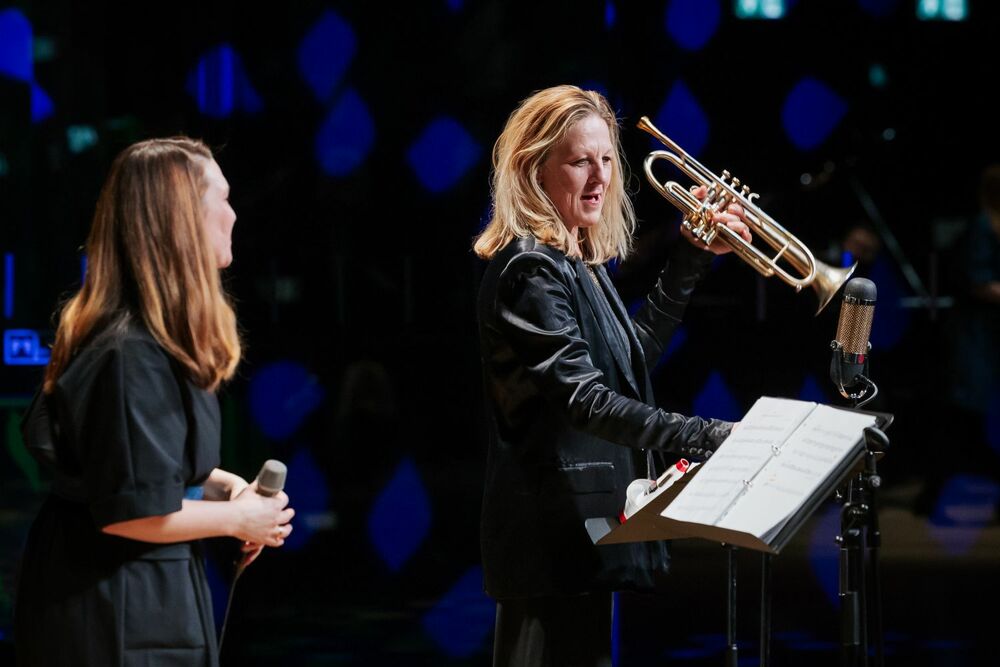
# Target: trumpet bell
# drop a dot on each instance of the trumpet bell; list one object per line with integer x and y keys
{"x": 828, "y": 281}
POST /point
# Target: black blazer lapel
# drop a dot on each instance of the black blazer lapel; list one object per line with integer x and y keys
{"x": 638, "y": 368}
{"x": 620, "y": 355}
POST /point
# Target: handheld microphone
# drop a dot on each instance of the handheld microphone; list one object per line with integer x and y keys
{"x": 271, "y": 478}
{"x": 270, "y": 482}
{"x": 849, "y": 362}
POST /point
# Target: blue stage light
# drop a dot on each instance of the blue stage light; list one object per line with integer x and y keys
{"x": 4, "y": 165}
{"x": 346, "y": 136}
{"x": 461, "y": 621}
{"x": 282, "y": 395}
{"x": 759, "y": 9}
{"x": 401, "y": 516}
{"x": 41, "y": 104}
{"x": 824, "y": 552}
{"x": 442, "y": 154}
{"x": 692, "y": 23}
{"x": 942, "y": 10}
{"x": 811, "y": 112}
{"x": 325, "y": 53}
{"x": 811, "y": 391}
{"x": 610, "y": 14}
{"x": 15, "y": 45}
{"x": 716, "y": 400}
{"x": 16, "y": 60}
{"x": 892, "y": 320}
{"x": 877, "y": 76}
{"x": 964, "y": 508}
{"x": 306, "y": 485}
{"x": 80, "y": 137}
{"x": 220, "y": 86}
{"x": 682, "y": 119}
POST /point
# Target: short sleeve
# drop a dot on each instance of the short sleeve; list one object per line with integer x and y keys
{"x": 131, "y": 432}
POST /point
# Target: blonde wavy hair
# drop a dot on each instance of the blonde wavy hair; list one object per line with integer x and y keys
{"x": 148, "y": 256}
{"x": 520, "y": 206}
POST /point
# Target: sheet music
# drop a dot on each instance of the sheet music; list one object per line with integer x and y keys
{"x": 800, "y": 465}
{"x": 740, "y": 458}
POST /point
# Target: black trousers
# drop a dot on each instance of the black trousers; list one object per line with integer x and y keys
{"x": 570, "y": 631}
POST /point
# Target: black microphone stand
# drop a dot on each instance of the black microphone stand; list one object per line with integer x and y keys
{"x": 860, "y": 537}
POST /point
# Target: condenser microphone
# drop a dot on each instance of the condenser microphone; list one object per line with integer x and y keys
{"x": 849, "y": 362}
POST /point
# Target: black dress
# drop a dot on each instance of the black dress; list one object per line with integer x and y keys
{"x": 125, "y": 435}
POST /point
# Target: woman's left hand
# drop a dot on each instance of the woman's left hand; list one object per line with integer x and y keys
{"x": 732, "y": 217}
{"x": 236, "y": 486}
{"x": 223, "y": 485}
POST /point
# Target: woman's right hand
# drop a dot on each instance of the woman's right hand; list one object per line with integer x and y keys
{"x": 262, "y": 520}
{"x": 733, "y": 217}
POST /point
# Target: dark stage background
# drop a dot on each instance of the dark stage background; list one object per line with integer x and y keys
{"x": 356, "y": 138}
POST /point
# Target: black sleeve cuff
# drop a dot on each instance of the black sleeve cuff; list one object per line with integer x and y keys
{"x": 156, "y": 501}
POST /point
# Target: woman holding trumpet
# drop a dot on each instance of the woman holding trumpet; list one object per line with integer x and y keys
{"x": 571, "y": 414}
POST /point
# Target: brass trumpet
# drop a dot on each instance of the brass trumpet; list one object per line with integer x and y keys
{"x": 724, "y": 190}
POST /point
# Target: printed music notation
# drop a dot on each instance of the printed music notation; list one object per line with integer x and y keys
{"x": 778, "y": 456}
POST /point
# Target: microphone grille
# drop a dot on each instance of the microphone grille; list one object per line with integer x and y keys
{"x": 856, "y": 314}
{"x": 271, "y": 477}
{"x": 854, "y": 327}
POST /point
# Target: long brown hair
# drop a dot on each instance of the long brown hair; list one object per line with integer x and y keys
{"x": 148, "y": 257}
{"x": 520, "y": 206}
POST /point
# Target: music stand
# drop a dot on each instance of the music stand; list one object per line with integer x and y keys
{"x": 650, "y": 523}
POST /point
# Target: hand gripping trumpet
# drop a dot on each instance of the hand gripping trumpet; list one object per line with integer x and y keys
{"x": 725, "y": 190}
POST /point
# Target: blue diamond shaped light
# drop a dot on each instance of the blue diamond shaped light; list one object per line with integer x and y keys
{"x": 964, "y": 508}
{"x": 15, "y": 45}
{"x": 282, "y": 395}
{"x": 41, "y": 104}
{"x": 401, "y": 517}
{"x": 220, "y": 86}
{"x": 682, "y": 119}
{"x": 346, "y": 135}
{"x": 811, "y": 112}
{"x": 824, "y": 553}
{"x": 325, "y": 53}
{"x": 442, "y": 154}
{"x": 691, "y": 23}
{"x": 716, "y": 400}
{"x": 892, "y": 320}
{"x": 310, "y": 496}
{"x": 811, "y": 391}
{"x": 462, "y": 619}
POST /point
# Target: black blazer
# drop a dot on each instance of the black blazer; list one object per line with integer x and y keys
{"x": 570, "y": 411}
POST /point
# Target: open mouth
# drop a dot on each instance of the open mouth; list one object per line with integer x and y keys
{"x": 592, "y": 199}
